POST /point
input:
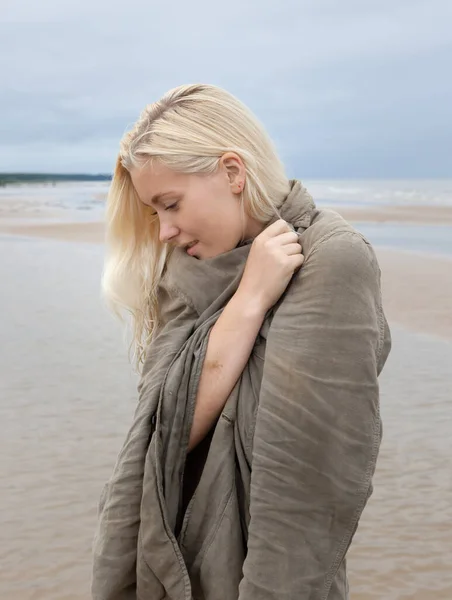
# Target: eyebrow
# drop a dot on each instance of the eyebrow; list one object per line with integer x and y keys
{"x": 158, "y": 197}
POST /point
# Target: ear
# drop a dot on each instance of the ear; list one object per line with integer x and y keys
{"x": 235, "y": 171}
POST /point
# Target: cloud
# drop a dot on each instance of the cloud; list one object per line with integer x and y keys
{"x": 345, "y": 89}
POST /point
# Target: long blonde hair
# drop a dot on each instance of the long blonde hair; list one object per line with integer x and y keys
{"x": 187, "y": 130}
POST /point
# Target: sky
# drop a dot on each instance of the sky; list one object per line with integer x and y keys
{"x": 346, "y": 89}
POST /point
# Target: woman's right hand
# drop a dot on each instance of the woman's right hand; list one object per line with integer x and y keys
{"x": 274, "y": 257}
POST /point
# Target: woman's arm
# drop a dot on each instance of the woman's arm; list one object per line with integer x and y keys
{"x": 318, "y": 425}
{"x": 273, "y": 258}
{"x": 230, "y": 344}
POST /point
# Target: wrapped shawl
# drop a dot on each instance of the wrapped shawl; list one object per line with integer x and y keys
{"x": 283, "y": 478}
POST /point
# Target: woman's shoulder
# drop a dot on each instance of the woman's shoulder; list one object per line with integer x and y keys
{"x": 339, "y": 277}
{"x": 330, "y": 232}
{"x": 338, "y": 260}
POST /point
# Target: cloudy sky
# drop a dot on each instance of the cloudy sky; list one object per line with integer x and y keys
{"x": 346, "y": 88}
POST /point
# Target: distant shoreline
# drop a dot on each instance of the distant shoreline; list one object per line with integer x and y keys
{"x": 52, "y": 178}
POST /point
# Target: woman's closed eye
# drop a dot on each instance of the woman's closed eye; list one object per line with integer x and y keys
{"x": 172, "y": 206}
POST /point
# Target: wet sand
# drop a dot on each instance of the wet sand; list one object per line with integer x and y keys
{"x": 417, "y": 291}
{"x": 67, "y": 395}
{"x": 92, "y": 232}
{"x": 427, "y": 215}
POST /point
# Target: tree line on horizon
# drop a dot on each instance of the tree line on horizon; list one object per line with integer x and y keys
{"x": 17, "y": 178}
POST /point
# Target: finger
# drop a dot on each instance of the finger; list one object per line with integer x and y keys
{"x": 275, "y": 229}
{"x": 292, "y": 249}
{"x": 289, "y": 237}
{"x": 296, "y": 261}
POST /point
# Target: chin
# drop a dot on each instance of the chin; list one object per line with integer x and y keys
{"x": 214, "y": 252}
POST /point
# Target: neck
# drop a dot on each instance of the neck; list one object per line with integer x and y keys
{"x": 253, "y": 229}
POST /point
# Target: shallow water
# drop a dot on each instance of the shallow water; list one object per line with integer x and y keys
{"x": 63, "y": 201}
{"x": 67, "y": 396}
{"x": 381, "y": 192}
{"x": 428, "y": 239}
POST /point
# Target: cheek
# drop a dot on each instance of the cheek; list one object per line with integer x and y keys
{"x": 220, "y": 227}
{"x": 215, "y": 218}
{"x": 206, "y": 221}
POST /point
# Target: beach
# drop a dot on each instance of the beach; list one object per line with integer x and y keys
{"x": 68, "y": 395}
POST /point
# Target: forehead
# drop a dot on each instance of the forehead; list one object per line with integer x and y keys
{"x": 153, "y": 181}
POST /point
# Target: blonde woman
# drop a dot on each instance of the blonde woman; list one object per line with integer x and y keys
{"x": 259, "y": 332}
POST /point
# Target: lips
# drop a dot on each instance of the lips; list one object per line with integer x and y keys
{"x": 189, "y": 247}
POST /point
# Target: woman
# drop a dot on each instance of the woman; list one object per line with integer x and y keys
{"x": 260, "y": 332}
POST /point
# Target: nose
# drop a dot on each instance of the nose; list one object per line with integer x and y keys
{"x": 167, "y": 232}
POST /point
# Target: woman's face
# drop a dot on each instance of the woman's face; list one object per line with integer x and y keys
{"x": 200, "y": 213}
